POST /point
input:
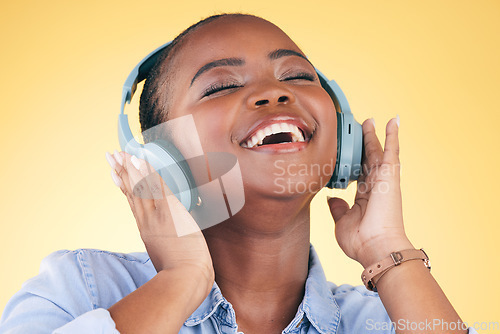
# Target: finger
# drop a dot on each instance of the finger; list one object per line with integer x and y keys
{"x": 176, "y": 216}
{"x": 372, "y": 154}
{"x": 183, "y": 222}
{"x": 138, "y": 182}
{"x": 147, "y": 185}
{"x": 131, "y": 203}
{"x": 116, "y": 161}
{"x": 113, "y": 163}
{"x": 124, "y": 171}
{"x": 158, "y": 190}
{"x": 157, "y": 186}
{"x": 338, "y": 208}
{"x": 147, "y": 190}
{"x": 118, "y": 181}
{"x": 391, "y": 146}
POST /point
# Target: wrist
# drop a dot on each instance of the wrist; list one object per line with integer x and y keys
{"x": 192, "y": 286}
{"x": 378, "y": 249}
{"x": 193, "y": 275}
{"x": 376, "y": 271}
{"x": 163, "y": 303}
{"x": 399, "y": 273}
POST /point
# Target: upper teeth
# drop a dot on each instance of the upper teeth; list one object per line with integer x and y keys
{"x": 275, "y": 128}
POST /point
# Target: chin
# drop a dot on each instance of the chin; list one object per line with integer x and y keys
{"x": 284, "y": 187}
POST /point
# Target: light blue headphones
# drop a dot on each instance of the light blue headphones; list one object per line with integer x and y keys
{"x": 172, "y": 167}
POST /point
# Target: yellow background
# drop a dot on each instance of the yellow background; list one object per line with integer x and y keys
{"x": 435, "y": 63}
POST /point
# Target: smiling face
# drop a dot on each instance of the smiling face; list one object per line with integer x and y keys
{"x": 254, "y": 94}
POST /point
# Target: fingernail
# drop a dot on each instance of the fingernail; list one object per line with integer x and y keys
{"x": 135, "y": 162}
{"x": 118, "y": 157}
{"x": 397, "y": 120}
{"x": 373, "y": 121}
{"x": 110, "y": 160}
{"x": 116, "y": 179}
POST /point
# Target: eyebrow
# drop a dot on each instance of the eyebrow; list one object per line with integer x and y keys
{"x": 286, "y": 53}
{"x": 218, "y": 63}
{"x": 273, "y": 55}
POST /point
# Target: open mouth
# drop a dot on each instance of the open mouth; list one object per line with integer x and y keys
{"x": 275, "y": 134}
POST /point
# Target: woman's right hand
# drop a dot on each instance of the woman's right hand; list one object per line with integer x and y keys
{"x": 154, "y": 207}
{"x": 185, "y": 273}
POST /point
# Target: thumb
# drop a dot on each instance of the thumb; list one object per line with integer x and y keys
{"x": 338, "y": 207}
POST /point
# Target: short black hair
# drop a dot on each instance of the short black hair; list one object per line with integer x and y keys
{"x": 153, "y": 107}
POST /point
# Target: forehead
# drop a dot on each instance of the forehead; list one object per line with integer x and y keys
{"x": 240, "y": 36}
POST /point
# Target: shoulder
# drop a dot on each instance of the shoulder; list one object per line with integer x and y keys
{"x": 97, "y": 257}
{"x": 72, "y": 283}
{"x": 98, "y": 262}
{"x": 72, "y": 255}
{"x": 361, "y": 310}
{"x": 102, "y": 276}
{"x": 351, "y": 291}
{"x": 351, "y": 298}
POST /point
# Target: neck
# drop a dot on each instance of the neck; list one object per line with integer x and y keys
{"x": 260, "y": 259}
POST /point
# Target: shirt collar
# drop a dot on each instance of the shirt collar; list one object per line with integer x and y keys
{"x": 318, "y": 305}
{"x": 213, "y": 301}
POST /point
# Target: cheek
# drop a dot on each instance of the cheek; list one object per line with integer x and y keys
{"x": 322, "y": 106}
{"x": 324, "y": 140}
{"x": 212, "y": 124}
{"x": 213, "y": 131}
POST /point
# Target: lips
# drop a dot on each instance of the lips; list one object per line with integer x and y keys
{"x": 277, "y": 131}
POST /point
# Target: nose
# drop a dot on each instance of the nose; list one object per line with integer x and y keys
{"x": 270, "y": 94}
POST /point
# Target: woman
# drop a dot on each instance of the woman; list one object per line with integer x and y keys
{"x": 256, "y": 271}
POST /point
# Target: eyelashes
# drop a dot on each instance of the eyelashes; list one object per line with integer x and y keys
{"x": 299, "y": 76}
{"x": 217, "y": 87}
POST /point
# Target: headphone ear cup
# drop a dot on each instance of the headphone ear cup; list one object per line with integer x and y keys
{"x": 166, "y": 159}
{"x": 349, "y": 151}
{"x": 335, "y": 177}
{"x": 349, "y": 138}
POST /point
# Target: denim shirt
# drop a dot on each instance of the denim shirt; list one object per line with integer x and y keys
{"x": 74, "y": 289}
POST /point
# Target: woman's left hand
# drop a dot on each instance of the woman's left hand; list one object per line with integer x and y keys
{"x": 373, "y": 227}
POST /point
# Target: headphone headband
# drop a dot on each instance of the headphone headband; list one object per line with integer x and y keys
{"x": 140, "y": 73}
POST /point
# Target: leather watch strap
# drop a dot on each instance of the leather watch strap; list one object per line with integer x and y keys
{"x": 378, "y": 269}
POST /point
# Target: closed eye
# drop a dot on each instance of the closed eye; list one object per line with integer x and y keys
{"x": 217, "y": 87}
{"x": 299, "y": 76}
